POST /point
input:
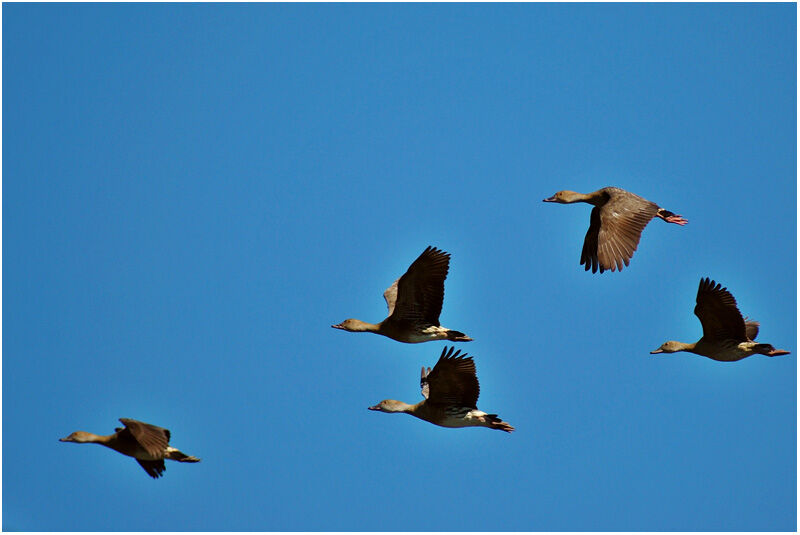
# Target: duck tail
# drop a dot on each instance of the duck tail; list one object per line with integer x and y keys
{"x": 496, "y": 423}
{"x": 176, "y": 455}
{"x": 457, "y": 336}
{"x": 769, "y": 350}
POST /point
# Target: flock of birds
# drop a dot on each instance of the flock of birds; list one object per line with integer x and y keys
{"x": 451, "y": 389}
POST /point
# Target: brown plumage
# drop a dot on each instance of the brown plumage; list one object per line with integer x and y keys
{"x": 147, "y": 443}
{"x": 727, "y": 336}
{"x": 451, "y": 393}
{"x": 616, "y": 224}
{"x": 414, "y": 302}
{"x": 452, "y": 381}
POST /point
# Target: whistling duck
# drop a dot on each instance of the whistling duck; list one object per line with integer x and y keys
{"x": 415, "y": 302}
{"x": 451, "y": 392}
{"x": 727, "y": 336}
{"x": 148, "y": 444}
{"x": 616, "y": 224}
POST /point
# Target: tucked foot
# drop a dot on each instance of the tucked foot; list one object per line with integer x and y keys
{"x": 457, "y": 336}
{"x": 177, "y": 455}
{"x": 503, "y": 426}
{"x": 496, "y": 423}
{"x": 677, "y": 219}
{"x": 778, "y": 352}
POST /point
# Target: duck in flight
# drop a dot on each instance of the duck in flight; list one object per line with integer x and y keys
{"x": 727, "y": 336}
{"x": 148, "y": 444}
{"x": 616, "y": 224}
{"x": 451, "y": 392}
{"x": 415, "y": 302}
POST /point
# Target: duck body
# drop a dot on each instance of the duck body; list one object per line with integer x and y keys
{"x": 404, "y": 331}
{"x": 416, "y": 333}
{"x": 615, "y": 226}
{"x": 147, "y": 443}
{"x": 730, "y": 351}
{"x": 414, "y": 302}
{"x": 727, "y": 336}
{"x": 455, "y": 416}
{"x": 722, "y": 350}
{"x": 451, "y": 392}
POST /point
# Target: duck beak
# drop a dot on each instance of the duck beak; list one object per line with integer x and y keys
{"x": 657, "y": 351}
{"x": 550, "y": 199}
{"x": 375, "y": 408}
{"x": 65, "y": 439}
{"x": 339, "y": 326}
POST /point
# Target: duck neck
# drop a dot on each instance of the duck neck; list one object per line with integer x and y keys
{"x": 596, "y": 198}
{"x": 590, "y": 198}
{"x": 91, "y": 438}
{"x": 423, "y": 411}
{"x": 364, "y": 327}
{"x": 415, "y": 408}
{"x": 687, "y": 347}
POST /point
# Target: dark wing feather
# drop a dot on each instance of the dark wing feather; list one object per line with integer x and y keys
{"x": 589, "y": 252}
{"x": 154, "y": 469}
{"x": 453, "y": 380}
{"x": 420, "y": 291}
{"x": 622, "y": 220}
{"x": 152, "y": 438}
{"x": 718, "y": 313}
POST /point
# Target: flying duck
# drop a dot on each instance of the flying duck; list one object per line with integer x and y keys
{"x": 616, "y": 224}
{"x": 415, "y": 302}
{"x": 148, "y": 444}
{"x": 727, "y": 336}
{"x": 451, "y": 392}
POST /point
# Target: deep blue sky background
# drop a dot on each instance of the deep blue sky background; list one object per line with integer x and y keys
{"x": 193, "y": 194}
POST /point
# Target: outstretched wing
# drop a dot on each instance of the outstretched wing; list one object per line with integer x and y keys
{"x": 718, "y": 313}
{"x": 452, "y": 381}
{"x": 152, "y": 438}
{"x": 419, "y": 293}
{"x": 589, "y": 251}
{"x": 615, "y": 229}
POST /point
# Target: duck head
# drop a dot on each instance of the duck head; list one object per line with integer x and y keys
{"x": 78, "y": 436}
{"x": 565, "y": 197}
{"x": 351, "y": 325}
{"x": 389, "y": 405}
{"x": 669, "y": 347}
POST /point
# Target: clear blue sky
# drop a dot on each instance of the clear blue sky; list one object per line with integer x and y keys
{"x": 193, "y": 194}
